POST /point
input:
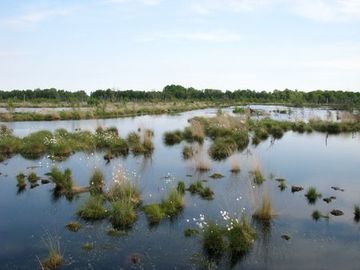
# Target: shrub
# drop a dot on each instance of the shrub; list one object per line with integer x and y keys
{"x": 93, "y": 209}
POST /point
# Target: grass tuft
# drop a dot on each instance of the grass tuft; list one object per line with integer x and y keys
{"x": 93, "y": 209}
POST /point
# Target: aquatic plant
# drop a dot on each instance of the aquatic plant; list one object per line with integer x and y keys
{"x": 316, "y": 215}
{"x": 222, "y": 148}
{"x": 33, "y": 178}
{"x": 196, "y": 187}
{"x": 122, "y": 188}
{"x": 357, "y": 213}
{"x": 88, "y": 246}
{"x": 21, "y": 183}
{"x": 216, "y": 176}
{"x": 154, "y": 213}
{"x": 172, "y": 138}
{"x": 206, "y": 193}
{"x": 97, "y": 182}
{"x": 123, "y": 214}
{"x": 181, "y": 187}
{"x": 257, "y": 176}
{"x": 62, "y": 180}
{"x": 93, "y": 209}
{"x": 173, "y": 204}
{"x": 115, "y": 232}
{"x": 234, "y": 166}
{"x": 312, "y": 195}
{"x": 241, "y": 236}
{"x": 73, "y": 226}
{"x": 213, "y": 241}
{"x": 55, "y": 257}
{"x": 265, "y": 211}
{"x": 187, "y": 152}
{"x": 195, "y": 132}
{"x": 190, "y": 232}
{"x": 282, "y": 185}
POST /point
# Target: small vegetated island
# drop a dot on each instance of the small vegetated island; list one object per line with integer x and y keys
{"x": 199, "y": 191}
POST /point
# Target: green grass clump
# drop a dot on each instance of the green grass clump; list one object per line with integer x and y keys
{"x": 55, "y": 258}
{"x": 21, "y": 183}
{"x": 124, "y": 190}
{"x": 190, "y": 232}
{"x": 73, "y": 226}
{"x": 154, "y": 213}
{"x": 204, "y": 192}
{"x": 123, "y": 214}
{"x": 357, "y": 213}
{"x": 62, "y": 180}
{"x": 216, "y": 176}
{"x": 93, "y": 209}
{"x": 187, "y": 152}
{"x": 282, "y": 185}
{"x": 33, "y": 145}
{"x": 33, "y": 178}
{"x": 196, "y": 187}
{"x": 88, "y": 246}
{"x": 115, "y": 233}
{"x": 258, "y": 177}
{"x": 222, "y": 148}
{"x": 265, "y": 211}
{"x": 312, "y": 195}
{"x": 172, "y": 138}
{"x": 173, "y": 204}
{"x": 181, "y": 187}
{"x": 241, "y": 236}
{"x": 213, "y": 241}
{"x": 97, "y": 182}
{"x": 316, "y": 215}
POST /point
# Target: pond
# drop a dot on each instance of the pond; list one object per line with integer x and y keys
{"x": 314, "y": 159}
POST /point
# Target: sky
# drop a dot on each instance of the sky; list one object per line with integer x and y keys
{"x": 147, "y": 44}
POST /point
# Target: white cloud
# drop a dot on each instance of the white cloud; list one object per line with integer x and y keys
{"x": 208, "y": 6}
{"x": 145, "y": 2}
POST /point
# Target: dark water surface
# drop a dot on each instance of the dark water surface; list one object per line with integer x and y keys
{"x": 303, "y": 159}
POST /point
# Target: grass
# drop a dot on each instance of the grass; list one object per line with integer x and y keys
{"x": 316, "y": 215}
{"x": 187, "y": 152}
{"x": 97, "y": 182}
{"x": 173, "y": 204}
{"x": 55, "y": 258}
{"x": 216, "y": 176}
{"x": 115, "y": 233}
{"x": 204, "y": 192}
{"x": 241, "y": 236}
{"x": 181, "y": 187}
{"x": 357, "y": 213}
{"x": 33, "y": 178}
{"x": 88, "y": 246}
{"x": 93, "y": 209}
{"x": 257, "y": 176}
{"x": 123, "y": 214}
{"x": 73, "y": 226}
{"x": 63, "y": 180}
{"x": 190, "y": 232}
{"x": 312, "y": 195}
{"x": 123, "y": 189}
{"x": 282, "y": 185}
{"x": 265, "y": 211}
{"x": 21, "y": 183}
{"x": 141, "y": 142}
{"x": 154, "y": 213}
{"x": 222, "y": 148}
{"x": 172, "y": 138}
{"x": 213, "y": 241}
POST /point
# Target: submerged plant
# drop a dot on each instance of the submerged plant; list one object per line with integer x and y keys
{"x": 312, "y": 195}
{"x": 93, "y": 209}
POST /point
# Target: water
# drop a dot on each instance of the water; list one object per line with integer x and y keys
{"x": 303, "y": 159}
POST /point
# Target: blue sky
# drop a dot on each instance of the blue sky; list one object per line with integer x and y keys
{"x": 146, "y": 44}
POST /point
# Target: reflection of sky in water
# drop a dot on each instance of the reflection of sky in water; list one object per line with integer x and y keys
{"x": 301, "y": 159}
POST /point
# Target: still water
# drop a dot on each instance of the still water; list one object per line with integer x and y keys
{"x": 302, "y": 159}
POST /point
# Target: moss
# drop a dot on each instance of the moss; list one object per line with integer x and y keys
{"x": 73, "y": 226}
{"x": 93, "y": 209}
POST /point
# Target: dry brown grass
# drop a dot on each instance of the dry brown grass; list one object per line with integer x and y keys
{"x": 197, "y": 129}
{"x": 234, "y": 165}
{"x": 265, "y": 210}
{"x": 201, "y": 159}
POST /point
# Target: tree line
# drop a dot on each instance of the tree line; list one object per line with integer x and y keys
{"x": 178, "y": 92}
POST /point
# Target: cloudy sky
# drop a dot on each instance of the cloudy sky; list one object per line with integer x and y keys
{"x": 146, "y": 44}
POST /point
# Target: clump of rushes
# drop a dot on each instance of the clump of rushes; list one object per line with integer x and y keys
{"x": 123, "y": 214}
{"x": 73, "y": 226}
{"x": 216, "y": 176}
{"x": 222, "y": 148}
{"x": 93, "y": 209}
{"x": 33, "y": 145}
{"x": 195, "y": 132}
{"x": 213, "y": 241}
{"x": 141, "y": 143}
{"x": 62, "y": 180}
{"x": 21, "y": 183}
{"x": 181, "y": 187}
{"x": 316, "y": 215}
{"x": 357, "y": 213}
{"x": 312, "y": 195}
{"x": 172, "y": 138}
{"x": 204, "y": 192}
{"x": 33, "y": 178}
{"x": 154, "y": 213}
{"x": 55, "y": 259}
{"x": 190, "y": 232}
{"x": 241, "y": 236}
{"x": 187, "y": 152}
{"x": 257, "y": 176}
{"x": 97, "y": 182}
{"x": 265, "y": 211}
{"x": 173, "y": 204}
{"x": 282, "y": 185}
{"x": 88, "y": 246}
